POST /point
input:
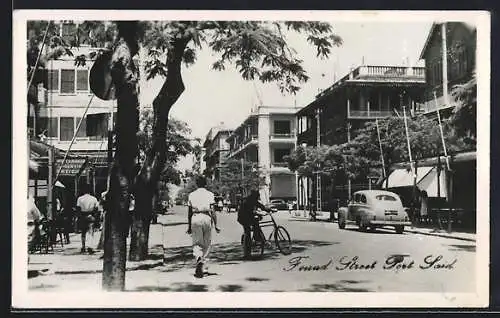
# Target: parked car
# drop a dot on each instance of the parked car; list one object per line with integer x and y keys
{"x": 372, "y": 209}
{"x": 278, "y": 204}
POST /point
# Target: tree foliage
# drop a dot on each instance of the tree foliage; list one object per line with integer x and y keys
{"x": 232, "y": 180}
{"x": 464, "y": 116}
{"x": 258, "y": 49}
{"x": 178, "y": 141}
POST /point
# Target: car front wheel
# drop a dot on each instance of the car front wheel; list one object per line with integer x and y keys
{"x": 399, "y": 229}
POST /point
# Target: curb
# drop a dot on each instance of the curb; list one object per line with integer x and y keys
{"x": 442, "y": 235}
{"x": 48, "y": 271}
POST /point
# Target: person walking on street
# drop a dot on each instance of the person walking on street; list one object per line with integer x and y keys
{"x": 201, "y": 217}
{"x": 87, "y": 207}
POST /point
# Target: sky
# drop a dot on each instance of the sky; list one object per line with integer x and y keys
{"x": 212, "y": 97}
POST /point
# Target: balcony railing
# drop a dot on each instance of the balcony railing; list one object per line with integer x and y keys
{"x": 281, "y": 136}
{"x": 369, "y": 114}
{"x": 438, "y": 103}
{"x": 280, "y": 164}
{"x": 243, "y": 145}
{"x": 389, "y": 71}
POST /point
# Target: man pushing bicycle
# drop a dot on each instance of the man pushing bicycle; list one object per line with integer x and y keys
{"x": 249, "y": 219}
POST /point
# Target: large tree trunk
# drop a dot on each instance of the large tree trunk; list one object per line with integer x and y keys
{"x": 148, "y": 177}
{"x": 139, "y": 232}
{"x": 124, "y": 74}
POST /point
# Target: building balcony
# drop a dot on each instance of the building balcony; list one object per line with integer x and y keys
{"x": 383, "y": 72}
{"x": 369, "y": 114}
{"x": 437, "y": 104}
{"x": 252, "y": 140}
{"x": 280, "y": 167}
{"x": 80, "y": 144}
{"x": 286, "y": 138}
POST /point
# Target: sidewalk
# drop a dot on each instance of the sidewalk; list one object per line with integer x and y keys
{"x": 69, "y": 259}
{"x": 471, "y": 237}
{"x": 324, "y": 216}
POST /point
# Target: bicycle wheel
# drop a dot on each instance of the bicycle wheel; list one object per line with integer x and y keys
{"x": 258, "y": 246}
{"x": 283, "y": 241}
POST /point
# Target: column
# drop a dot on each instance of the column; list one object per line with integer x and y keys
{"x": 264, "y": 150}
{"x": 368, "y": 105}
{"x": 348, "y": 107}
{"x": 379, "y": 100}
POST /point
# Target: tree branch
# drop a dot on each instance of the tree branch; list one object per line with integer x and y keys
{"x": 168, "y": 95}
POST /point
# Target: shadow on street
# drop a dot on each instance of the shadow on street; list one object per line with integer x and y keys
{"x": 341, "y": 286}
{"x": 376, "y": 231}
{"x": 176, "y": 287}
{"x": 230, "y": 254}
{"x": 459, "y": 248}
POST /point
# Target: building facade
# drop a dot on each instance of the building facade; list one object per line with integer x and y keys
{"x": 216, "y": 150}
{"x": 364, "y": 94}
{"x": 72, "y": 117}
{"x": 460, "y": 62}
{"x": 265, "y": 138}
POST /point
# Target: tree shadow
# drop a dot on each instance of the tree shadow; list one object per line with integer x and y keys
{"x": 174, "y": 224}
{"x": 175, "y": 287}
{"x": 43, "y": 286}
{"x": 230, "y": 288}
{"x": 176, "y": 258}
{"x": 341, "y": 286}
{"x": 376, "y": 231}
{"x": 256, "y": 279}
{"x": 460, "y": 247}
{"x": 155, "y": 252}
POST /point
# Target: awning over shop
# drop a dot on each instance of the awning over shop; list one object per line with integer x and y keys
{"x": 427, "y": 180}
{"x": 430, "y": 183}
{"x": 404, "y": 177}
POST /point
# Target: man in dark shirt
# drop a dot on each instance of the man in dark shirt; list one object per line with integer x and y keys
{"x": 249, "y": 219}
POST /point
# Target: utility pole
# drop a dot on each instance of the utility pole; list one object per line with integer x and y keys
{"x": 50, "y": 183}
{"x": 445, "y": 65}
{"x": 318, "y": 176}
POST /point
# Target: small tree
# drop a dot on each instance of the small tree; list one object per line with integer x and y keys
{"x": 236, "y": 179}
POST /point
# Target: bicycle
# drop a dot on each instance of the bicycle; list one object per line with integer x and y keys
{"x": 281, "y": 237}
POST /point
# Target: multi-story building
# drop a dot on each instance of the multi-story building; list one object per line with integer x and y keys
{"x": 365, "y": 93}
{"x": 460, "y": 62}
{"x": 264, "y": 138}
{"x": 216, "y": 150}
{"x": 69, "y": 109}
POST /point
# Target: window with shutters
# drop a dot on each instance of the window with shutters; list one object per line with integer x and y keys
{"x": 67, "y": 81}
{"x": 53, "y": 78}
{"x": 82, "y": 80}
{"x": 67, "y": 128}
{"x": 82, "y": 132}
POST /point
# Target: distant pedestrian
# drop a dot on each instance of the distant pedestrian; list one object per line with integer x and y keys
{"x": 87, "y": 207}
{"x": 424, "y": 205}
{"x": 201, "y": 217}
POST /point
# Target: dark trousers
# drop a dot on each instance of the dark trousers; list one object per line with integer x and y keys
{"x": 247, "y": 232}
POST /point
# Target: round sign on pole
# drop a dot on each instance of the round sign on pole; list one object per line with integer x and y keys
{"x": 101, "y": 83}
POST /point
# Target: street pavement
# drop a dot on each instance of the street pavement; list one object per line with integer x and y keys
{"x": 324, "y": 258}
